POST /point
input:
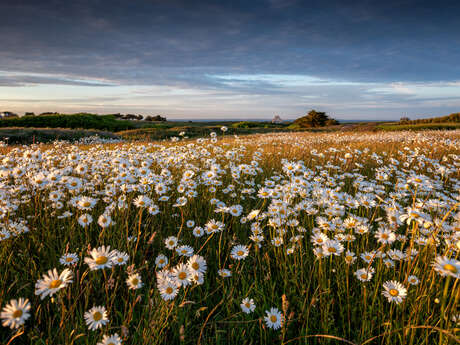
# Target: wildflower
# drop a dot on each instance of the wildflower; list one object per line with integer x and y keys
{"x": 332, "y": 247}
{"x": 385, "y": 236}
{"x": 85, "y": 219}
{"x": 168, "y": 289}
{"x": 69, "y": 259}
{"x": 247, "y": 305}
{"x": 274, "y": 319}
{"x": 350, "y": 257}
{"x": 113, "y": 339}
{"x": 224, "y": 273}
{"x": 394, "y": 291}
{"x": 182, "y": 275}
{"x": 53, "y": 282}
{"x": 197, "y": 264}
{"x": 134, "y": 281}
{"x": 239, "y": 252}
{"x": 15, "y": 313}
{"x": 161, "y": 261}
{"x": 184, "y": 250}
{"x": 96, "y": 317}
{"x": 104, "y": 220}
{"x": 447, "y": 267}
{"x": 198, "y": 231}
{"x": 120, "y": 258}
{"x": 171, "y": 242}
{"x": 100, "y": 258}
{"x": 364, "y": 274}
{"x": 413, "y": 280}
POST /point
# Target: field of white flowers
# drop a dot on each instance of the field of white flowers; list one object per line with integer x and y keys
{"x": 265, "y": 239}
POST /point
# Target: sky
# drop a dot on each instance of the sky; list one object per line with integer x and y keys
{"x": 248, "y": 59}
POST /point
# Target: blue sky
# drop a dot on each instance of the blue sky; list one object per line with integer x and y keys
{"x": 231, "y": 59}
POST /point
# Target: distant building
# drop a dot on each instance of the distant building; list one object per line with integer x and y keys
{"x": 8, "y": 114}
{"x": 277, "y": 119}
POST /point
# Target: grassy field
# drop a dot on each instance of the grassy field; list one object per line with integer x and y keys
{"x": 286, "y": 238}
{"x": 419, "y": 126}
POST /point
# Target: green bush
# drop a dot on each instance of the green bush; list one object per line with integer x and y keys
{"x": 84, "y": 121}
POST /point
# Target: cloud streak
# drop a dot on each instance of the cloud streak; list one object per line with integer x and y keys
{"x": 254, "y": 54}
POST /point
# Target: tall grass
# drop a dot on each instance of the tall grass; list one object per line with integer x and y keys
{"x": 317, "y": 181}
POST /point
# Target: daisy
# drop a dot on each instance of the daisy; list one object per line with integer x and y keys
{"x": 350, "y": 257}
{"x": 85, "y": 219}
{"x": 332, "y": 247}
{"x": 447, "y": 267}
{"x": 197, "y": 264}
{"x": 171, "y": 242}
{"x": 120, "y": 258}
{"x": 101, "y": 257}
{"x": 247, "y": 305}
{"x": 239, "y": 252}
{"x": 53, "y": 282}
{"x": 161, "y": 261}
{"x": 142, "y": 201}
{"x": 168, "y": 289}
{"x": 69, "y": 259}
{"x": 224, "y": 273}
{"x": 134, "y": 281}
{"x": 182, "y": 275}
{"x": 184, "y": 250}
{"x": 15, "y": 313}
{"x": 364, "y": 274}
{"x": 198, "y": 231}
{"x": 274, "y": 318}
{"x": 394, "y": 291}
{"x": 96, "y": 317}
{"x": 385, "y": 236}
{"x": 413, "y": 280}
{"x": 113, "y": 339}
{"x": 104, "y": 220}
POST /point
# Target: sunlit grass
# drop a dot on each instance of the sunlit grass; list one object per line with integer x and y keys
{"x": 390, "y": 199}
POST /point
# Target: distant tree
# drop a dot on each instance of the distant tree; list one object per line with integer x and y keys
{"x": 158, "y": 118}
{"x": 315, "y": 119}
{"x": 29, "y": 113}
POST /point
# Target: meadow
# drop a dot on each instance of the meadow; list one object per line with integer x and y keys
{"x": 286, "y": 238}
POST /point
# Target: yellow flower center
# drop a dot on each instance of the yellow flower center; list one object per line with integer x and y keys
{"x": 195, "y": 266}
{"x": 364, "y": 276}
{"x": 86, "y": 204}
{"x": 69, "y": 259}
{"x": 97, "y": 316}
{"x": 135, "y": 281}
{"x": 120, "y": 260}
{"x": 331, "y": 250}
{"x": 102, "y": 260}
{"x": 169, "y": 290}
{"x": 55, "y": 284}
{"x": 273, "y": 318}
{"x": 450, "y": 268}
{"x": 17, "y": 313}
{"x": 394, "y": 292}
{"x": 182, "y": 275}
{"x": 239, "y": 253}
{"x": 385, "y": 236}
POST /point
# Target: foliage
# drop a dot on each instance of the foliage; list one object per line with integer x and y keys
{"x": 82, "y": 120}
{"x": 419, "y": 126}
{"x": 452, "y": 118}
{"x": 314, "y": 119}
